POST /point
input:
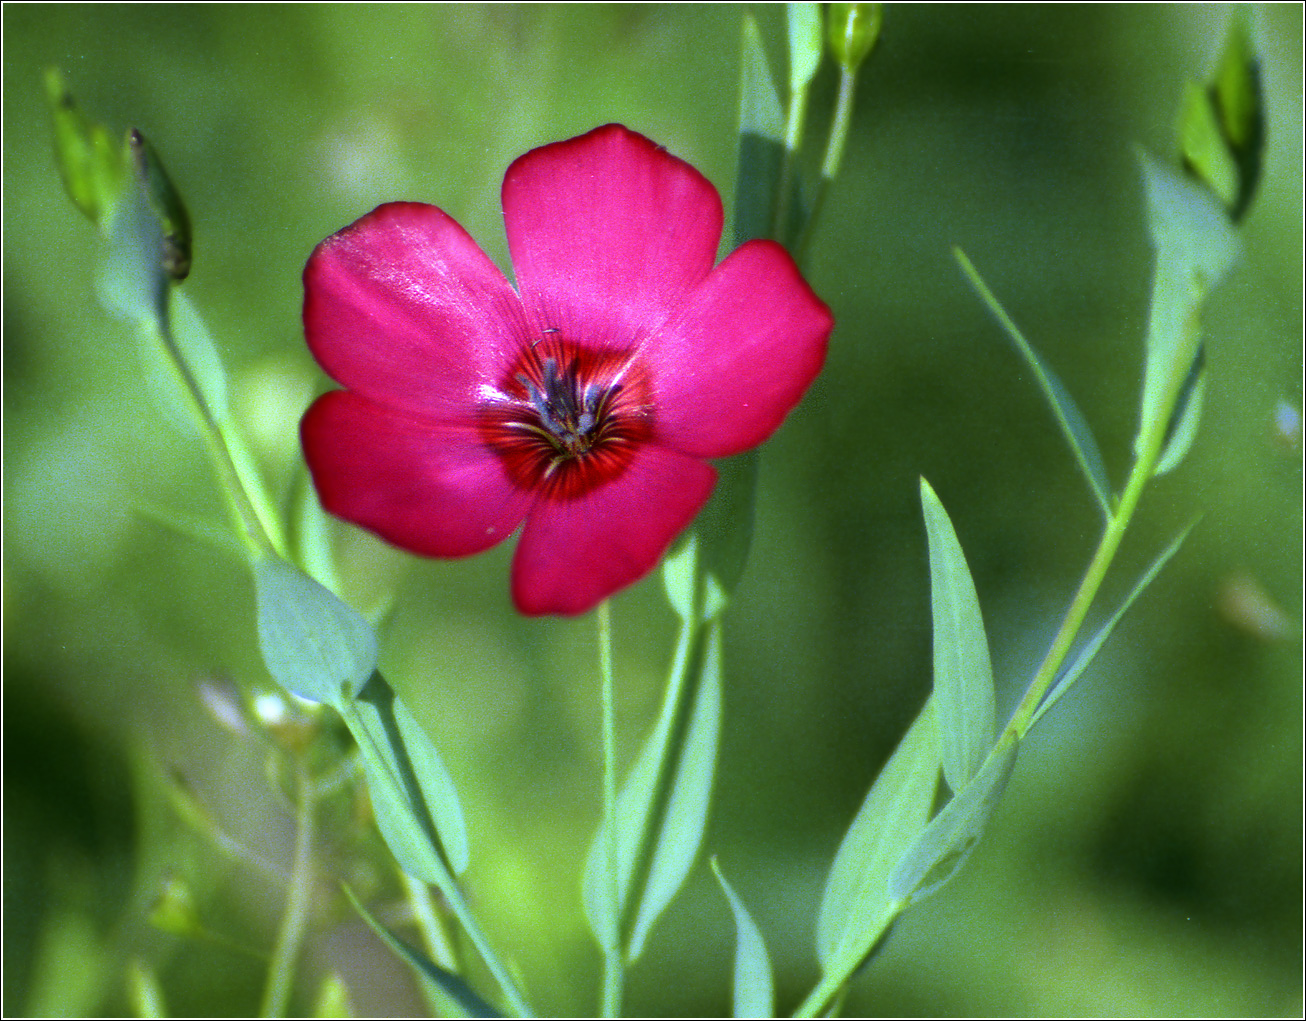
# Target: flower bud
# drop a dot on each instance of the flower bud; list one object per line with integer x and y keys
{"x": 853, "y": 30}
{"x": 90, "y": 164}
{"x": 165, "y": 202}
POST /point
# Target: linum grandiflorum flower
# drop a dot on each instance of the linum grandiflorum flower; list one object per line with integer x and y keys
{"x": 581, "y": 404}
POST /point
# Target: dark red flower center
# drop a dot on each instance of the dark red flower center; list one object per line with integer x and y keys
{"x": 565, "y": 420}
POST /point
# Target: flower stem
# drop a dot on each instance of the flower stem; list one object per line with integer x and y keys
{"x": 613, "y": 956}
{"x": 839, "y": 128}
{"x": 785, "y": 199}
{"x": 294, "y": 921}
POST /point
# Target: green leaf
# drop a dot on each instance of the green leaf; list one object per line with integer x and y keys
{"x": 1205, "y": 152}
{"x": 131, "y": 282}
{"x": 939, "y": 851}
{"x": 963, "y": 675}
{"x": 725, "y": 531}
{"x": 314, "y": 644}
{"x": 446, "y": 981}
{"x": 1184, "y": 419}
{"x": 312, "y": 535}
{"x": 1195, "y": 247}
{"x": 803, "y": 20}
{"x": 393, "y": 753}
{"x": 656, "y": 854}
{"x": 437, "y": 789}
{"x": 761, "y": 140}
{"x": 1089, "y": 651}
{"x": 196, "y": 347}
{"x": 1073, "y": 425}
{"x": 144, "y": 991}
{"x": 754, "y": 994}
{"x": 857, "y": 906}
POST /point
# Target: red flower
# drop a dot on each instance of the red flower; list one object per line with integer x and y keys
{"x": 581, "y": 403}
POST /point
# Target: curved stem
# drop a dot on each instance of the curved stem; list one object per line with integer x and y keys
{"x": 294, "y": 921}
{"x": 839, "y": 128}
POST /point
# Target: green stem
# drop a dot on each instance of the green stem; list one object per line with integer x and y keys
{"x": 458, "y": 905}
{"x": 785, "y": 199}
{"x": 613, "y": 957}
{"x": 839, "y": 128}
{"x": 294, "y": 921}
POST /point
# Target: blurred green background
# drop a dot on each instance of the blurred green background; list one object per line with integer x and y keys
{"x": 1147, "y": 858}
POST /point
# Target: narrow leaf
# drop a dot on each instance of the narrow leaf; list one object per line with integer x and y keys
{"x": 402, "y": 814}
{"x": 1206, "y": 154}
{"x": 1091, "y": 648}
{"x": 857, "y": 906}
{"x": 963, "y": 675}
{"x": 761, "y": 140}
{"x": 1238, "y": 100}
{"x": 939, "y": 851}
{"x": 446, "y": 981}
{"x": 314, "y": 644}
{"x": 196, "y": 347}
{"x": 437, "y": 789}
{"x": 754, "y": 994}
{"x": 1073, "y": 425}
{"x": 90, "y": 163}
{"x": 682, "y": 829}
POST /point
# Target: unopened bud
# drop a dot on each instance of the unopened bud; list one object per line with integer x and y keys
{"x": 90, "y": 164}
{"x": 853, "y": 30}
{"x": 165, "y": 202}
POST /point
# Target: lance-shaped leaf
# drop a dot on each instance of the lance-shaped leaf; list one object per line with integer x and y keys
{"x": 1073, "y": 425}
{"x": 858, "y": 906}
{"x": 314, "y": 644}
{"x": 90, "y": 162}
{"x": 662, "y": 807}
{"x": 1240, "y": 106}
{"x": 803, "y": 22}
{"x": 944, "y": 845}
{"x": 446, "y": 981}
{"x": 754, "y": 994}
{"x": 1091, "y": 648}
{"x": 963, "y": 674}
{"x": 413, "y": 798}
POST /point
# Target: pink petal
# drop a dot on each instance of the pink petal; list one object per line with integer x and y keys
{"x": 573, "y": 554}
{"x": 739, "y": 356}
{"x": 403, "y": 307}
{"x": 608, "y": 232}
{"x": 426, "y": 486}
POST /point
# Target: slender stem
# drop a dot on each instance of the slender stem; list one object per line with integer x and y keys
{"x": 463, "y": 912}
{"x": 434, "y": 937}
{"x": 294, "y": 921}
{"x": 785, "y": 200}
{"x": 613, "y": 956}
{"x": 839, "y": 128}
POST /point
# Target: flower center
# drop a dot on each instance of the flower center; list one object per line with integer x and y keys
{"x": 565, "y": 419}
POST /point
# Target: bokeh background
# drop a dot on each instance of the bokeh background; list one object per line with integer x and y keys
{"x": 1147, "y": 858}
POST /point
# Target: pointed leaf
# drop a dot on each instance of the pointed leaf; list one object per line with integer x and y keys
{"x": 399, "y": 802}
{"x": 1073, "y": 425}
{"x": 196, "y": 347}
{"x": 690, "y": 721}
{"x": 446, "y": 981}
{"x": 1239, "y": 103}
{"x": 90, "y": 163}
{"x": 754, "y": 994}
{"x": 1205, "y": 152}
{"x": 437, "y": 789}
{"x": 761, "y": 140}
{"x": 314, "y": 644}
{"x": 857, "y": 906}
{"x": 939, "y": 851}
{"x": 1091, "y": 648}
{"x": 682, "y": 829}
{"x": 963, "y": 675}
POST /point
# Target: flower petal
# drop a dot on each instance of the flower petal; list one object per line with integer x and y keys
{"x": 402, "y": 306}
{"x": 423, "y": 485}
{"x": 608, "y": 232}
{"x": 739, "y": 356}
{"x": 574, "y": 554}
